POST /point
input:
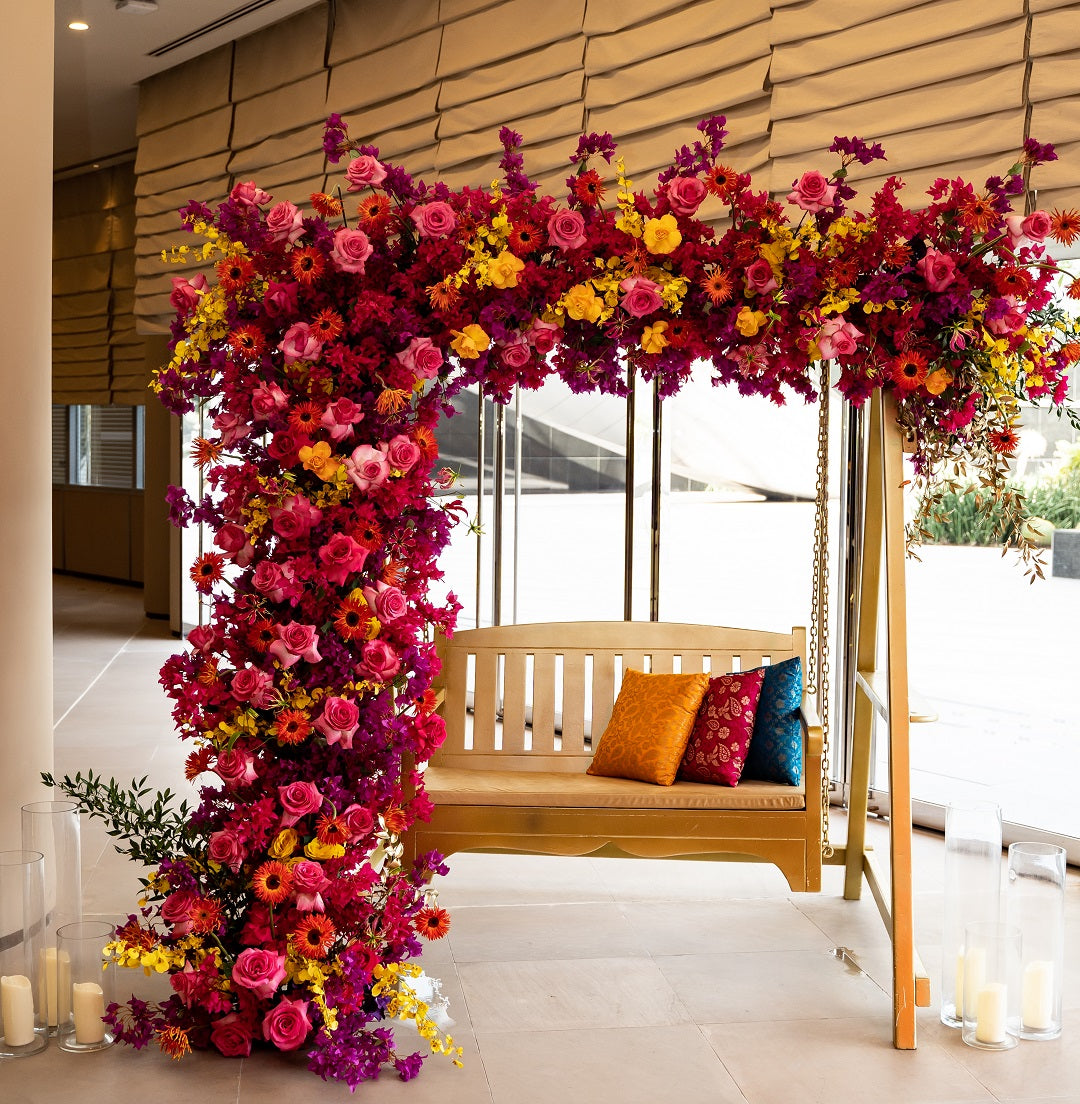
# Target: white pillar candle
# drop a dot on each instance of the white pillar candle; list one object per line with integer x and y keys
{"x": 991, "y": 1010}
{"x": 54, "y": 981}
{"x": 17, "y": 1009}
{"x": 974, "y": 977}
{"x": 88, "y": 1004}
{"x": 1038, "y": 995}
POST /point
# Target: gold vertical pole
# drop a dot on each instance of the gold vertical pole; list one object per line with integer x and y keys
{"x": 628, "y": 521}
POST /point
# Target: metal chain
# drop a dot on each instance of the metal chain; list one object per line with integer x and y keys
{"x": 818, "y": 659}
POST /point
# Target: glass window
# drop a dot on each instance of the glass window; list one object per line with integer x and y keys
{"x": 104, "y": 446}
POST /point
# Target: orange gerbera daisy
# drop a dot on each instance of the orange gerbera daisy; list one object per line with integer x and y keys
{"x": 369, "y": 534}
{"x": 204, "y": 452}
{"x": 207, "y": 570}
{"x": 352, "y": 618}
{"x": 235, "y": 273}
{"x": 272, "y": 882}
{"x": 328, "y": 325}
{"x": 393, "y": 572}
{"x": 1071, "y": 352}
{"x": 293, "y": 726}
{"x": 307, "y": 264}
{"x": 198, "y": 762}
{"x": 205, "y": 915}
{"x": 442, "y": 295}
{"x": 432, "y": 923}
{"x": 908, "y": 370}
{"x": 391, "y": 400}
{"x": 1065, "y": 226}
{"x": 174, "y": 1041}
{"x": 718, "y": 286}
{"x": 132, "y": 935}
{"x": 896, "y": 254}
{"x": 721, "y": 181}
{"x": 978, "y": 213}
{"x": 1004, "y": 440}
{"x": 588, "y": 188}
{"x": 524, "y": 238}
{"x": 247, "y": 340}
{"x": 314, "y": 934}
{"x": 208, "y": 672}
{"x": 305, "y": 417}
{"x": 1012, "y": 281}
{"x": 395, "y": 819}
{"x": 1073, "y": 290}
{"x": 331, "y": 830}
{"x": 424, "y": 439}
{"x": 262, "y": 634}
{"x": 373, "y": 212}
{"x": 327, "y": 205}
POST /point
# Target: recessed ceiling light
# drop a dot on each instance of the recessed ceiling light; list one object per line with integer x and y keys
{"x": 78, "y": 25}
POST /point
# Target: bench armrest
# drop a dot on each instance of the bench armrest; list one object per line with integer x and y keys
{"x": 812, "y": 723}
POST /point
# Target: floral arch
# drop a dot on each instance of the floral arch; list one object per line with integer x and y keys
{"x": 326, "y": 349}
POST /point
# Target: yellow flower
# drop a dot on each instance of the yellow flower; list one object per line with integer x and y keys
{"x": 582, "y": 304}
{"x": 503, "y": 270}
{"x": 317, "y": 458}
{"x": 322, "y": 851}
{"x": 662, "y": 234}
{"x": 653, "y": 339}
{"x": 470, "y": 342}
{"x": 749, "y": 322}
{"x": 285, "y": 843}
{"x": 938, "y": 380}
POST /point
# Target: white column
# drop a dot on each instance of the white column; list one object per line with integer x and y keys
{"x": 26, "y": 82}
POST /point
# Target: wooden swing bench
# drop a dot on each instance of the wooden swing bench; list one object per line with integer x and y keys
{"x": 541, "y": 695}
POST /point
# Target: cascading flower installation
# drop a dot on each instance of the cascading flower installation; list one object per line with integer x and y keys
{"x": 286, "y": 907}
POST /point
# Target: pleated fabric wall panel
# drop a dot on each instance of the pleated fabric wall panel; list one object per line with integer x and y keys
{"x": 97, "y": 354}
{"x": 1055, "y": 104}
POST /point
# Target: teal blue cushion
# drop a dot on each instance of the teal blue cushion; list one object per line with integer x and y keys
{"x": 776, "y": 747}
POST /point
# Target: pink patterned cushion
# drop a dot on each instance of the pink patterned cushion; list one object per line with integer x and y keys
{"x": 721, "y": 734}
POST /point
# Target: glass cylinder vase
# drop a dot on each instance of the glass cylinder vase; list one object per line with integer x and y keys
{"x": 972, "y": 891}
{"x": 84, "y": 985}
{"x": 1035, "y": 903}
{"x": 52, "y": 827}
{"x": 991, "y": 985}
{"x": 23, "y": 1028}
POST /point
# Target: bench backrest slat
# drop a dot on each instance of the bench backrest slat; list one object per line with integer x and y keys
{"x": 553, "y": 721}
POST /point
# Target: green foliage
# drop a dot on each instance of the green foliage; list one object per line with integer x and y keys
{"x": 152, "y": 832}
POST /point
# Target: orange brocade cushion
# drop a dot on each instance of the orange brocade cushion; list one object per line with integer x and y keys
{"x": 649, "y": 727}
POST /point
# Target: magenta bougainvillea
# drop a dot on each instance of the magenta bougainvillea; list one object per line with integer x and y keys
{"x": 324, "y": 351}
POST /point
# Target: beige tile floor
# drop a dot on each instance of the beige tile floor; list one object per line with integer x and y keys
{"x": 571, "y": 980}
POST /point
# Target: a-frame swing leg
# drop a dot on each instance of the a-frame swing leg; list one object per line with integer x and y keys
{"x": 883, "y": 546}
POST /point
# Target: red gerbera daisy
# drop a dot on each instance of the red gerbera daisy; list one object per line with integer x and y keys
{"x": 368, "y": 533}
{"x": 198, "y": 762}
{"x": 1011, "y": 281}
{"x": 305, "y": 418}
{"x": 1004, "y": 440}
{"x": 721, "y": 181}
{"x": 908, "y": 370}
{"x": 373, "y": 213}
{"x": 262, "y": 634}
{"x": 235, "y": 273}
{"x": 352, "y": 618}
{"x": 328, "y": 325}
{"x": 205, "y": 915}
{"x": 307, "y": 264}
{"x": 207, "y": 570}
{"x": 588, "y": 188}
{"x": 248, "y": 341}
{"x": 524, "y": 238}
{"x": 327, "y": 205}
{"x": 1065, "y": 226}
{"x": 293, "y": 726}
{"x": 314, "y": 935}
{"x": 432, "y": 923}
{"x": 272, "y": 882}
{"x": 331, "y": 830}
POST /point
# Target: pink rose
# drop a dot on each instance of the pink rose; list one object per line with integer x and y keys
{"x": 1006, "y": 321}
{"x": 341, "y": 557}
{"x": 837, "y": 338}
{"x": 1036, "y": 226}
{"x": 358, "y": 820}
{"x": 176, "y": 911}
{"x": 515, "y": 354}
{"x": 378, "y": 661}
{"x": 300, "y": 342}
{"x": 295, "y": 518}
{"x": 248, "y": 195}
{"x": 297, "y": 800}
{"x": 367, "y": 467}
{"x": 252, "y": 685}
{"x": 813, "y": 192}
{"x": 281, "y": 299}
{"x": 434, "y": 220}
{"x": 937, "y": 269}
{"x": 308, "y": 883}
{"x": 685, "y": 194}
{"x": 759, "y": 278}
{"x": 232, "y": 1035}
{"x": 340, "y": 417}
{"x": 267, "y": 399}
{"x": 295, "y": 642}
{"x": 543, "y": 336}
{"x": 203, "y": 638}
{"x": 402, "y": 453}
{"x": 566, "y": 229}
{"x": 640, "y": 296}
{"x": 364, "y": 171}
{"x": 234, "y": 541}
{"x": 270, "y": 579}
{"x": 338, "y": 721}
{"x": 422, "y": 357}
{"x": 286, "y": 1025}
{"x": 235, "y": 767}
{"x": 351, "y": 250}
{"x": 387, "y": 601}
{"x": 231, "y": 427}
{"x": 285, "y": 222}
{"x": 187, "y": 293}
{"x": 227, "y": 849}
{"x": 260, "y": 971}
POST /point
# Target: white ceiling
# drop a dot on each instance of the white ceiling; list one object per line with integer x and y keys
{"x": 97, "y": 71}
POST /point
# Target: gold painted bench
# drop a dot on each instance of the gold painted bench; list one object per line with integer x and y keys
{"x": 524, "y": 706}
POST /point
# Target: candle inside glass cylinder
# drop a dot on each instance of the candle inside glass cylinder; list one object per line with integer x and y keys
{"x": 54, "y": 986}
{"x": 974, "y": 977}
{"x": 1038, "y": 995}
{"x": 17, "y": 1009}
{"x": 88, "y": 1005}
{"x": 991, "y": 1009}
